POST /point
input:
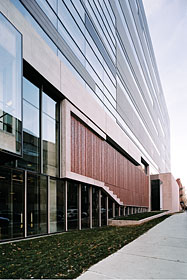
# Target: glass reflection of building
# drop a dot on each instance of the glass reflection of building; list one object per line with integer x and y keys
{"x": 10, "y": 88}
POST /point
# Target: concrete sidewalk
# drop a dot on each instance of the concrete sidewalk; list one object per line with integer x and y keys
{"x": 161, "y": 253}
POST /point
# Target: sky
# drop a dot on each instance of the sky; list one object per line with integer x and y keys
{"x": 167, "y": 21}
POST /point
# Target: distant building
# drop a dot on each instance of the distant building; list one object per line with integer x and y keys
{"x": 83, "y": 119}
{"x": 182, "y": 194}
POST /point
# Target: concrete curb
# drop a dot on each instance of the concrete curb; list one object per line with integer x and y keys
{"x": 121, "y": 223}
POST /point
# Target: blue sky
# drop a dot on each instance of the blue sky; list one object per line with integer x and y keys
{"x": 167, "y": 21}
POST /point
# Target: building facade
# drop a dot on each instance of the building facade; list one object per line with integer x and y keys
{"x": 164, "y": 192}
{"x": 83, "y": 119}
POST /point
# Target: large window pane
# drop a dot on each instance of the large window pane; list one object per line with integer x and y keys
{"x": 11, "y": 204}
{"x": 36, "y": 204}
{"x": 56, "y": 205}
{"x": 10, "y": 87}
{"x": 69, "y": 23}
{"x": 72, "y": 212}
{"x": 50, "y": 135}
{"x": 95, "y": 207}
{"x": 31, "y": 128}
{"x": 30, "y": 93}
{"x": 110, "y": 208}
{"x": 103, "y": 209}
{"x": 85, "y": 207}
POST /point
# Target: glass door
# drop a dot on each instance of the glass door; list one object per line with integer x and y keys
{"x": 11, "y": 204}
{"x": 36, "y": 204}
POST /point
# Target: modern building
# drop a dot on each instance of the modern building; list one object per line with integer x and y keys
{"x": 83, "y": 119}
{"x": 182, "y": 194}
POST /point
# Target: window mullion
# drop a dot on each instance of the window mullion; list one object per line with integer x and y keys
{"x": 41, "y": 129}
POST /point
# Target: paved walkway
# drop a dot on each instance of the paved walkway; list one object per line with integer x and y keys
{"x": 161, "y": 253}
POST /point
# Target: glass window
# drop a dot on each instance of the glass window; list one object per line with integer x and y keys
{"x": 126, "y": 210}
{"x": 10, "y": 87}
{"x": 85, "y": 207}
{"x": 31, "y": 128}
{"x": 56, "y": 205}
{"x": 70, "y": 25}
{"x": 111, "y": 13}
{"x": 53, "y": 4}
{"x": 110, "y": 208}
{"x": 36, "y": 204}
{"x": 50, "y": 135}
{"x": 30, "y": 93}
{"x": 95, "y": 63}
{"x": 11, "y": 203}
{"x": 121, "y": 211}
{"x": 78, "y": 6}
{"x": 72, "y": 208}
{"x": 35, "y": 25}
{"x": 116, "y": 210}
{"x": 48, "y": 11}
{"x": 95, "y": 207}
{"x": 103, "y": 209}
{"x": 72, "y": 44}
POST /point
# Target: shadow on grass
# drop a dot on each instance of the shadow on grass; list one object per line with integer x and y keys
{"x": 66, "y": 255}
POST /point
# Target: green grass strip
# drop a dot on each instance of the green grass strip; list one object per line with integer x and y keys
{"x": 66, "y": 255}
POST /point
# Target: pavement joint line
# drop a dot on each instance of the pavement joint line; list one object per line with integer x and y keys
{"x": 177, "y": 261}
{"x": 99, "y": 273}
{"x": 159, "y": 245}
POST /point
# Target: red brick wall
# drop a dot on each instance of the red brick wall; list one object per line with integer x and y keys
{"x": 93, "y": 157}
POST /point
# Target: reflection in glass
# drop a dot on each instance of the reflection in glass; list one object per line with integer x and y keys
{"x": 50, "y": 135}
{"x": 121, "y": 210}
{"x": 85, "y": 205}
{"x": 110, "y": 208}
{"x": 103, "y": 209}
{"x": 48, "y": 11}
{"x": 72, "y": 207}
{"x": 95, "y": 206}
{"x": 11, "y": 204}
{"x": 69, "y": 23}
{"x": 31, "y": 131}
{"x": 10, "y": 87}
{"x": 30, "y": 93}
{"x": 126, "y": 210}
{"x": 116, "y": 210}
{"x": 56, "y": 205}
{"x": 36, "y": 204}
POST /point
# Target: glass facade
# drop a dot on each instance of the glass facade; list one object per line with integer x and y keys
{"x": 10, "y": 88}
{"x": 85, "y": 207}
{"x": 57, "y": 204}
{"x": 108, "y": 41}
{"x": 95, "y": 207}
{"x": 31, "y": 127}
{"x": 36, "y": 204}
{"x": 103, "y": 209}
{"x": 50, "y": 135}
{"x": 72, "y": 205}
{"x": 11, "y": 204}
{"x": 110, "y": 208}
{"x": 40, "y": 131}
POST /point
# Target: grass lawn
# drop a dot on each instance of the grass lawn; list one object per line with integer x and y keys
{"x": 139, "y": 216}
{"x": 65, "y": 255}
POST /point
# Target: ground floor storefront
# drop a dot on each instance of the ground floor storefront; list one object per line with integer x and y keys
{"x": 33, "y": 204}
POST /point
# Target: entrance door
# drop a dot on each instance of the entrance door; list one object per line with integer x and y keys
{"x": 36, "y": 204}
{"x": 11, "y": 203}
